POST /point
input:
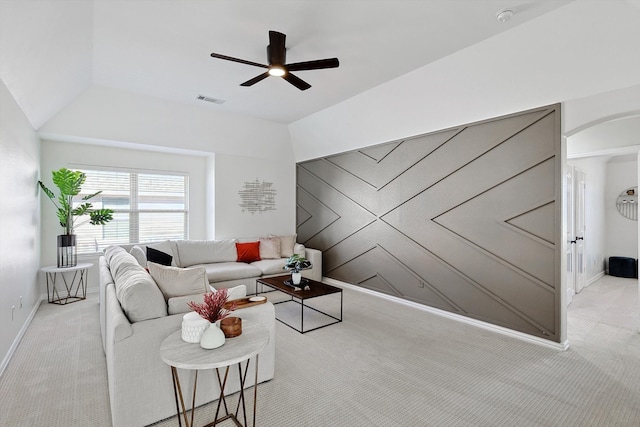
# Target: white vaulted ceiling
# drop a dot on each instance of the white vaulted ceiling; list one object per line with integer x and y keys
{"x": 51, "y": 51}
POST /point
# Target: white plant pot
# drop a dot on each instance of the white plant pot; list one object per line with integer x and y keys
{"x": 212, "y": 337}
{"x": 296, "y": 278}
{"x": 193, "y": 325}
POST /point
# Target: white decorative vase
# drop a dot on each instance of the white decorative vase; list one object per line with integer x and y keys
{"x": 296, "y": 278}
{"x": 212, "y": 337}
{"x": 193, "y": 325}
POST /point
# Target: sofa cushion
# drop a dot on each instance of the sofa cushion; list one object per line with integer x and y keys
{"x": 192, "y": 252}
{"x": 223, "y": 271}
{"x": 138, "y": 294}
{"x": 248, "y": 252}
{"x": 271, "y": 266}
{"x": 158, "y": 257}
{"x": 270, "y": 248}
{"x": 167, "y": 247}
{"x": 286, "y": 244}
{"x": 299, "y": 249}
{"x": 139, "y": 254}
{"x": 179, "y": 304}
{"x": 177, "y": 282}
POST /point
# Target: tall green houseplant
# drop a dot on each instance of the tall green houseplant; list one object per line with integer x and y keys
{"x": 69, "y": 184}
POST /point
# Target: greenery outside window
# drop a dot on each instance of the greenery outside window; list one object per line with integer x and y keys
{"x": 147, "y": 207}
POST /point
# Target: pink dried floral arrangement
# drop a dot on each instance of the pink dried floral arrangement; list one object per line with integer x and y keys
{"x": 215, "y": 306}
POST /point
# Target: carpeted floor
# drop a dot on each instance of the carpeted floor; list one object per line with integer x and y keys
{"x": 386, "y": 365}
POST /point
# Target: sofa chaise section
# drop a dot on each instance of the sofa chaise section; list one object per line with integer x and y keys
{"x": 134, "y": 322}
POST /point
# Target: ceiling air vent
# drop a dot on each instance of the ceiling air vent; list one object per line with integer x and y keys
{"x": 209, "y": 99}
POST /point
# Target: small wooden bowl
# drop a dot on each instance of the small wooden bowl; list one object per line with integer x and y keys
{"x": 231, "y": 326}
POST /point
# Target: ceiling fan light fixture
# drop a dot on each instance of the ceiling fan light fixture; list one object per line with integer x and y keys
{"x": 277, "y": 71}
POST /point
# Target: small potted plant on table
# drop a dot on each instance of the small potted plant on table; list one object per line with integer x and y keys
{"x": 295, "y": 263}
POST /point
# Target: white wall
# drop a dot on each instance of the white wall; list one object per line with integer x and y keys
{"x": 109, "y": 115}
{"x": 19, "y": 223}
{"x": 56, "y": 155}
{"x": 587, "y": 111}
{"x": 582, "y": 49}
{"x": 595, "y": 169}
{"x": 621, "y": 233}
{"x": 231, "y": 172}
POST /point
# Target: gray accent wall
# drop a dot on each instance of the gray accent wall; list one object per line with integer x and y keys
{"x": 466, "y": 220}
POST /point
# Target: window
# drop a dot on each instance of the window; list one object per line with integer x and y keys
{"x": 147, "y": 207}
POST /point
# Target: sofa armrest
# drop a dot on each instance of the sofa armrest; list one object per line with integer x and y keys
{"x": 117, "y": 325}
{"x": 315, "y": 256}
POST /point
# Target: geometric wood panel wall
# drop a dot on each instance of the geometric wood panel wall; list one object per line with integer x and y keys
{"x": 466, "y": 220}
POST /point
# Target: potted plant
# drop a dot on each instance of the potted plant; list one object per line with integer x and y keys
{"x": 295, "y": 263}
{"x": 214, "y": 308}
{"x": 69, "y": 184}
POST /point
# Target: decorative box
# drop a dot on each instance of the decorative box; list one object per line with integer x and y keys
{"x": 193, "y": 325}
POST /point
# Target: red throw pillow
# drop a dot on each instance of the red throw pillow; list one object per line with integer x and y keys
{"x": 248, "y": 252}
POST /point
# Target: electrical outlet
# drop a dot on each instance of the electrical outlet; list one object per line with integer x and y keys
{"x": 21, "y": 302}
{"x": 13, "y": 308}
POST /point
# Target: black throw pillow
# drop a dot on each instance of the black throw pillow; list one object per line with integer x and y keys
{"x": 158, "y": 257}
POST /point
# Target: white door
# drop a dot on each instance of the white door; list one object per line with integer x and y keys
{"x": 579, "y": 180}
{"x": 570, "y": 273}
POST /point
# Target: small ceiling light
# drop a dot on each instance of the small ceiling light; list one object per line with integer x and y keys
{"x": 504, "y": 15}
{"x": 276, "y": 71}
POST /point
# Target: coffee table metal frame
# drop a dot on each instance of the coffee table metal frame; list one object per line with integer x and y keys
{"x": 310, "y": 289}
{"x": 77, "y": 281}
{"x": 179, "y": 354}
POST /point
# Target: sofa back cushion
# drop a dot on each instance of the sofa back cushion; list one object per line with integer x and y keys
{"x": 192, "y": 252}
{"x": 139, "y": 296}
{"x": 177, "y": 282}
{"x": 167, "y": 249}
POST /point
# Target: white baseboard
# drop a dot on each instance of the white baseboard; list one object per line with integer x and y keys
{"x": 474, "y": 322}
{"x": 595, "y": 278}
{"x": 23, "y": 330}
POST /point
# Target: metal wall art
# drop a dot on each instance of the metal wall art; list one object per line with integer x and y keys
{"x": 257, "y": 196}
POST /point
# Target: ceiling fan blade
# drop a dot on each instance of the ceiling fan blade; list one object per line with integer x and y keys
{"x": 276, "y": 51}
{"x": 255, "y": 80}
{"x": 318, "y": 64}
{"x": 242, "y": 61}
{"x": 296, "y": 81}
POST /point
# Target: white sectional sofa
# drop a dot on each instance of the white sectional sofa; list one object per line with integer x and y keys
{"x": 136, "y": 315}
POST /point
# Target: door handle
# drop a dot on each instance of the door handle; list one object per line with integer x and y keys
{"x": 573, "y": 242}
{"x": 579, "y": 238}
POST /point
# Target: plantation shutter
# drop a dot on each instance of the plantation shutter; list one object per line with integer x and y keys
{"x": 147, "y": 207}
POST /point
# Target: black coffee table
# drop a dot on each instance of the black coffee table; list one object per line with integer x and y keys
{"x": 307, "y": 290}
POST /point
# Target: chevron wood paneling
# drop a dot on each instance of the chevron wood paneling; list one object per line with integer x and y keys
{"x": 465, "y": 220}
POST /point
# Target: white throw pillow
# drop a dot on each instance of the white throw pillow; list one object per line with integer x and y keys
{"x": 269, "y": 247}
{"x": 286, "y": 244}
{"x": 176, "y": 282}
{"x": 139, "y": 254}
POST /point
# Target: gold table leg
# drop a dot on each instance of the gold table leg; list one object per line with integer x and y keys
{"x": 222, "y": 382}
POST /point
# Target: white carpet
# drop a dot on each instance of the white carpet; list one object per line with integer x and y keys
{"x": 385, "y": 365}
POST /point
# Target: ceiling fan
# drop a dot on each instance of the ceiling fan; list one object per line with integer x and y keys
{"x": 276, "y": 56}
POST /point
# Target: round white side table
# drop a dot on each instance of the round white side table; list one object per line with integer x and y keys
{"x": 76, "y": 287}
{"x": 179, "y": 354}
